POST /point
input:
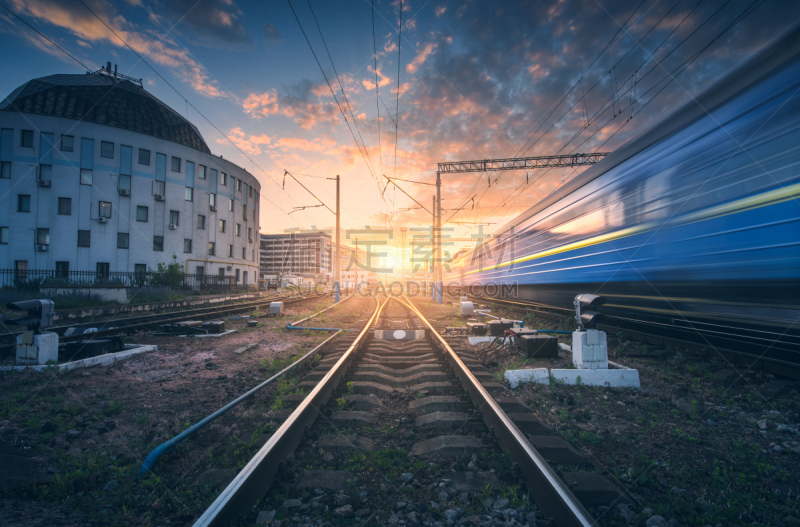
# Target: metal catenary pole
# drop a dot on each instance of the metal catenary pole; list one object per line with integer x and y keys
{"x": 438, "y": 232}
{"x": 337, "y": 264}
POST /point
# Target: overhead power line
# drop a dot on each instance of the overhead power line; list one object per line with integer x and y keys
{"x": 397, "y": 98}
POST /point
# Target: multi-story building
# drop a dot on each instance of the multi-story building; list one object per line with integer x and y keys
{"x": 96, "y": 173}
{"x": 306, "y": 254}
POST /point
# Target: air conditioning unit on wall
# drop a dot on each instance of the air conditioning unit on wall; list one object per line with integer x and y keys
{"x": 213, "y": 207}
{"x": 172, "y": 226}
{"x": 124, "y": 192}
{"x": 44, "y": 183}
{"x": 230, "y": 267}
{"x": 41, "y": 248}
{"x": 159, "y": 197}
{"x": 101, "y": 220}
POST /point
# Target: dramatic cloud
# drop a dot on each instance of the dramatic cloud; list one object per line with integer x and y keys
{"x": 259, "y": 104}
{"x": 248, "y": 143}
{"x": 160, "y": 48}
{"x": 212, "y": 22}
{"x": 424, "y": 53}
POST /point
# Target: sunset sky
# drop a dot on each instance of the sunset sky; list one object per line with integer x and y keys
{"x": 478, "y": 79}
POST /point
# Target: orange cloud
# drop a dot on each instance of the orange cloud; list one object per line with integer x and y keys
{"x": 369, "y": 82}
{"x": 424, "y": 53}
{"x": 247, "y": 144}
{"x": 259, "y": 104}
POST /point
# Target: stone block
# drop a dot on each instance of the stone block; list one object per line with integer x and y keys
{"x": 40, "y": 349}
{"x": 627, "y": 378}
{"x": 462, "y": 481}
{"x": 589, "y": 349}
{"x": 537, "y": 375}
{"x": 371, "y": 388}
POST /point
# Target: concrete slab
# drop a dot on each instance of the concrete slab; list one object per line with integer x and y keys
{"x": 101, "y": 360}
{"x": 248, "y": 347}
{"x": 442, "y": 420}
{"x": 399, "y": 381}
{"x": 345, "y": 443}
{"x": 324, "y": 479}
{"x": 371, "y": 388}
{"x": 363, "y": 402}
{"x": 537, "y": 375}
{"x": 399, "y": 334}
{"x": 478, "y": 340}
{"x": 627, "y": 378}
{"x": 449, "y": 446}
{"x": 556, "y": 450}
{"x": 352, "y": 418}
{"x": 591, "y": 488}
{"x": 433, "y": 388}
{"x": 405, "y": 371}
{"x": 210, "y": 335}
{"x": 472, "y": 481}
{"x": 512, "y": 405}
{"x": 435, "y": 403}
{"x": 530, "y": 424}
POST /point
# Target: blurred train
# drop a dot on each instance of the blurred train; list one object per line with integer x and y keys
{"x": 691, "y": 230}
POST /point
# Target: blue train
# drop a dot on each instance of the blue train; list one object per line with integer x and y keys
{"x": 691, "y": 229}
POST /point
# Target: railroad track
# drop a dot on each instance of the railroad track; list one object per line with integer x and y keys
{"x": 613, "y": 325}
{"x": 399, "y": 386}
{"x": 128, "y": 324}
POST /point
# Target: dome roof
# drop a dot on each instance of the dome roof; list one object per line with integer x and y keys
{"x": 104, "y": 99}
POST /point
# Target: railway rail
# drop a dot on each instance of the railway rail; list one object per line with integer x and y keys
{"x": 127, "y": 324}
{"x": 449, "y": 408}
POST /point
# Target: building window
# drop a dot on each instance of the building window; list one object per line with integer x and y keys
{"x": 230, "y": 251}
{"x": 158, "y": 243}
{"x": 244, "y": 212}
{"x": 250, "y": 192}
{"x": 244, "y": 253}
{"x": 174, "y": 216}
{"x": 123, "y": 240}
{"x": 26, "y": 139}
{"x": 65, "y": 206}
{"x": 5, "y": 169}
{"x": 125, "y": 183}
{"x": 141, "y": 213}
{"x": 4, "y": 235}
{"x": 250, "y": 233}
{"x": 86, "y": 176}
{"x": 201, "y": 172}
{"x": 45, "y": 172}
{"x": 144, "y": 157}
{"x": 238, "y": 229}
{"x": 188, "y": 195}
{"x": 212, "y": 200}
{"x": 84, "y": 238}
{"x": 140, "y": 269}
{"x": 224, "y": 180}
{"x": 221, "y": 225}
{"x": 67, "y": 145}
{"x": 176, "y": 164}
{"x": 62, "y": 269}
{"x": 42, "y": 236}
{"x": 103, "y": 269}
{"x": 201, "y": 222}
{"x": 107, "y": 149}
{"x": 159, "y": 188}
{"x": 104, "y": 210}
{"x": 230, "y": 205}
{"x": 23, "y": 203}
{"x": 211, "y": 248}
{"x": 239, "y": 185}
{"x": 187, "y": 245}
{"x": 237, "y": 276}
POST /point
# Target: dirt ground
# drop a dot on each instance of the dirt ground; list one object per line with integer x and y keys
{"x": 72, "y": 443}
{"x": 703, "y": 442}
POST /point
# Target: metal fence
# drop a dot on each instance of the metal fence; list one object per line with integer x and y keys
{"x": 33, "y": 279}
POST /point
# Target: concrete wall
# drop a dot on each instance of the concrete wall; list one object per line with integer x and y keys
{"x": 85, "y": 203}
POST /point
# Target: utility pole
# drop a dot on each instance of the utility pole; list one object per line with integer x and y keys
{"x": 433, "y": 251}
{"x": 439, "y": 238}
{"x": 336, "y": 269}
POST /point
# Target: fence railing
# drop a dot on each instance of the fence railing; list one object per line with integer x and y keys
{"x": 33, "y": 279}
